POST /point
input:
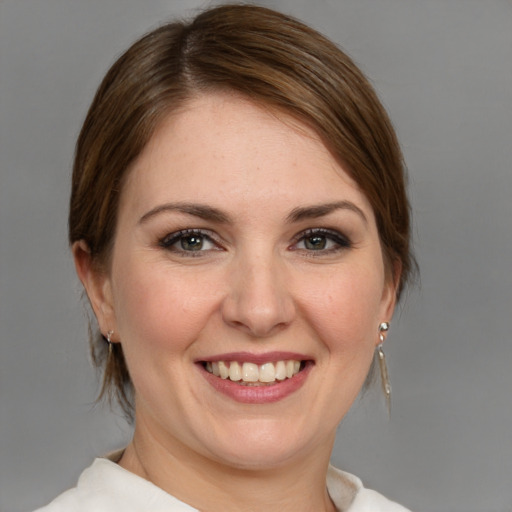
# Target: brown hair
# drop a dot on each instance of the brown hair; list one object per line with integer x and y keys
{"x": 266, "y": 56}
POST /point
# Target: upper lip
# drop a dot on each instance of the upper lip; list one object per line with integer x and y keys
{"x": 249, "y": 357}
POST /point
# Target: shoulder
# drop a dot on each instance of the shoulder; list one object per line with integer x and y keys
{"x": 105, "y": 486}
{"x": 349, "y": 494}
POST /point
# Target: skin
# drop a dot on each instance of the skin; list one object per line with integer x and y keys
{"x": 258, "y": 285}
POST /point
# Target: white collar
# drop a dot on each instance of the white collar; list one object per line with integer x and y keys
{"x": 106, "y": 486}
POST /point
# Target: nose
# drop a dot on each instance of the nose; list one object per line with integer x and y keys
{"x": 259, "y": 301}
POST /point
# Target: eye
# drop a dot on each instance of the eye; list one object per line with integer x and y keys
{"x": 321, "y": 240}
{"x": 188, "y": 241}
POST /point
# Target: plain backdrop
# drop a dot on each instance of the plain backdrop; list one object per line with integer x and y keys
{"x": 443, "y": 68}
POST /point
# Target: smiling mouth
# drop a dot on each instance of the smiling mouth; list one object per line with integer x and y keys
{"x": 251, "y": 374}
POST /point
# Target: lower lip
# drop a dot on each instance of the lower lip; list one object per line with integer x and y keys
{"x": 263, "y": 394}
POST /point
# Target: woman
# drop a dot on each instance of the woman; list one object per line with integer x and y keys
{"x": 239, "y": 222}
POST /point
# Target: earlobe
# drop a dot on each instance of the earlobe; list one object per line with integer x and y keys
{"x": 97, "y": 285}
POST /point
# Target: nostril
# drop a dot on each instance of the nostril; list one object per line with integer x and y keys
{"x": 258, "y": 329}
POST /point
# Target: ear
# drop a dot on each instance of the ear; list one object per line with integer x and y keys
{"x": 97, "y": 284}
{"x": 389, "y": 293}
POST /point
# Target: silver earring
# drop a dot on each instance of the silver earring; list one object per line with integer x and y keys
{"x": 109, "y": 341}
{"x": 384, "y": 375}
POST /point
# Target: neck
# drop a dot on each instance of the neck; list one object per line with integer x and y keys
{"x": 206, "y": 484}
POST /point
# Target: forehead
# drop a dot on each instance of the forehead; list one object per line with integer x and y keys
{"x": 225, "y": 148}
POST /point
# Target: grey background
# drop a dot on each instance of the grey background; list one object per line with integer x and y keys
{"x": 444, "y": 70}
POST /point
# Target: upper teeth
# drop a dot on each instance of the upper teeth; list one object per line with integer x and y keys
{"x": 250, "y": 372}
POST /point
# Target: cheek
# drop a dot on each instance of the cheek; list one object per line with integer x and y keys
{"x": 346, "y": 311}
{"x": 157, "y": 308}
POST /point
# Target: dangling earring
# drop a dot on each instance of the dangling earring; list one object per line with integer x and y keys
{"x": 109, "y": 341}
{"x": 384, "y": 375}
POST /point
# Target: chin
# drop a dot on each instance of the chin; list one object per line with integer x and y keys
{"x": 258, "y": 460}
{"x": 262, "y": 445}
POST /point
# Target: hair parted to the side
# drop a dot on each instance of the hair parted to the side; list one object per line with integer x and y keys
{"x": 269, "y": 58}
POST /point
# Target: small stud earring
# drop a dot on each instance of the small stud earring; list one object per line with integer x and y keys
{"x": 384, "y": 375}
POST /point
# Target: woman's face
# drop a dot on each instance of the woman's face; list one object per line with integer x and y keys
{"x": 243, "y": 250}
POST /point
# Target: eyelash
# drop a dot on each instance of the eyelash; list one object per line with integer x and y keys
{"x": 173, "y": 238}
{"x": 341, "y": 241}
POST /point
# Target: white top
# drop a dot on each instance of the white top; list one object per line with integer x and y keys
{"x": 105, "y": 487}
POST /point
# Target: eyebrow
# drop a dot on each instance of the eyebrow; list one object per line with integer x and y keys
{"x": 316, "y": 211}
{"x": 215, "y": 215}
{"x": 197, "y": 210}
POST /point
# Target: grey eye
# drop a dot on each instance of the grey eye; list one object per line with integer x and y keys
{"x": 188, "y": 241}
{"x": 322, "y": 240}
{"x": 315, "y": 242}
{"x": 192, "y": 242}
